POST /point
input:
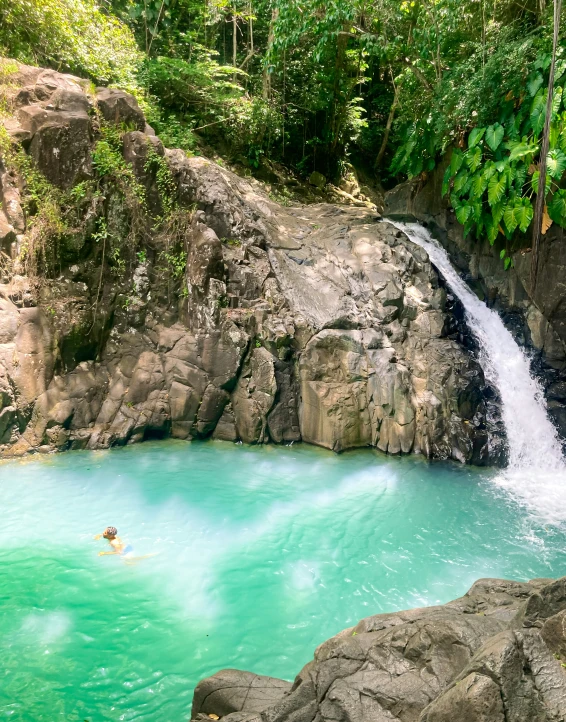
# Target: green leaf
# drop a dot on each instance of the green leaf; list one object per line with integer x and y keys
{"x": 538, "y": 112}
{"x": 507, "y": 263}
{"x": 497, "y": 213}
{"x": 557, "y": 207}
{"x": 477, "y": 208}
{"x": 492, "y": 229}
{"x": 456, "y": 161}
{"x": 496, "y": 189}
{"x": 475, "y": 136}
{"x": 518, "y": 214}
{"x": 478, "y": 185}
{"x": 460, "y": 180}
{"x": 556, "y": 99}
{"x": 446, "y": 181}
{"x": 473, "y": 159}
{"x": 494, "y": 135}
{"x": 463, "y": 210}
{"x": 463, "y": 213}
{"x": 502, "y": 254}
{"x": 556, "y": 163}
{"x": 535, "y": 180}
{"x": 521, "y": 150}
{"x": 534, "y": 84}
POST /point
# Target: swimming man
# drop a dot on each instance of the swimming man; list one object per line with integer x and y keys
{"x": 118, "y": 546}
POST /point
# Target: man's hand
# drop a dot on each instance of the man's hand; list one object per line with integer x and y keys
{"x": 97, "y": 536}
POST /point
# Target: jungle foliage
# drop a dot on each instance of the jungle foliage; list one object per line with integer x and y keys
{"x": 395, "y": 85}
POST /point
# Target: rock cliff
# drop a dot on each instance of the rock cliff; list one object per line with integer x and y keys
{"x": 498, "y": 654}
{"x": 172, "y": 297}
{"x": 537, "y": 320}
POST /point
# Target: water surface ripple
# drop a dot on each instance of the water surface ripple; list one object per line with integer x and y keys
{"x": 262, "y": 553}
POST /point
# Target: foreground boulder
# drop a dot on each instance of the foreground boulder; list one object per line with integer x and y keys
{"x": 494, "y": 655}
{"x": 189, "y": 304}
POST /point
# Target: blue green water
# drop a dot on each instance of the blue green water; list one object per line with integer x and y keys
{"x": 261, "y": 554}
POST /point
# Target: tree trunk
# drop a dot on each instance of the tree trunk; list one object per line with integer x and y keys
{"x": 539, "y": 204}
{"x": 234, "y": 40}
{"x": 379, "y": 159}
{"x": 266, "y": 93}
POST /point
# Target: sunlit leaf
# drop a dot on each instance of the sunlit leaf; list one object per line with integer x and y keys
{"x": 557, "y": 207}
{"x": 496, "y": 189}
{"x": 475, "y": 136}
{"x": 494, "y": 135}
{"x": 556, "y": 163}
{"x": 534, "y": 84}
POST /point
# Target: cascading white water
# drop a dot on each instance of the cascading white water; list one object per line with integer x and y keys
{"x": 536, "y": 474}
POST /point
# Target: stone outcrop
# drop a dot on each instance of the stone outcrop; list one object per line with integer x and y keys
{"x": 494, "y": 655}
{"x": 234, "y": 317}
{"x": 538, "y": 321}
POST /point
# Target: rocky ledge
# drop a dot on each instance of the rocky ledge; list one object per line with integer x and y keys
{"x": 497, "y": 654}
{"x": 208, "y": 309}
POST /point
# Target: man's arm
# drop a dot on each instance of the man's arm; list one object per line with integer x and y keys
{"x": 98, "y": 536}
{"x": 104, "y": 554}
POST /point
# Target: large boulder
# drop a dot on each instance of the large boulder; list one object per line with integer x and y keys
{"x": 234, "y": 691}
{"x": 476, "y": 659}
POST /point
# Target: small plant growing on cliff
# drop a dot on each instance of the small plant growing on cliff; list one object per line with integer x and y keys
{"x": 176, "y": 262}
{"x": 157, "y": 165}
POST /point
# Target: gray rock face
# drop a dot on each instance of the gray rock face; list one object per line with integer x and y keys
{"x": 239, "y": 319}
{"x": 481, "y": 658}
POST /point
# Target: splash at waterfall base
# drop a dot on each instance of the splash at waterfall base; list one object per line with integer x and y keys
{"x": 498, "y": 654}
{"x": 283, "y": 323}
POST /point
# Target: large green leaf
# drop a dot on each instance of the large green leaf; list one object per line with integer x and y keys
{"x": 557, "y": 207}
{"x": 491, "y": 229}
{"x": 497, "y": 212}
{"x": 496, "y": 188}
{"x": 475, "y": 136}
{"x": 521, "y": 149}
{"x": 518, "y": 214}
{"x": 456, "y": 160}
{"x": 556, "y": 99}
{"x": 535, "y": 181}
{"x": 538, "y": 112}
{"x": 473, "y": 159}
{"x": 478, "y": 185}
{"x": 463, "y": 210}
{"x": 556, "y": 163}
{"x": 494, "y": 135}
{"x": 460, "y": 181}
{"x": 446, "y": 181}
{"x": 525, "y": 212}
{"x": 534, "y": 84}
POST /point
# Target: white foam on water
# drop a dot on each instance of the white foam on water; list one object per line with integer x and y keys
{"x": 536, "y": 473}
{"x": 45, "y": 628}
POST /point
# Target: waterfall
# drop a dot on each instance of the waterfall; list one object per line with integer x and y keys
{"x": 536, "y": 473}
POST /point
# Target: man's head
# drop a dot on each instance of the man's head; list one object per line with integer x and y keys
{"x": 110, "y": 532}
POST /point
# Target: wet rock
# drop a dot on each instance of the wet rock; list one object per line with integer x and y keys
{"x": 232, "y": 691}
{"x": 471, "y": 660}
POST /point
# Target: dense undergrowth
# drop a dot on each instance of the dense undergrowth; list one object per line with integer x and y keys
{"x": 392, "y": 86}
